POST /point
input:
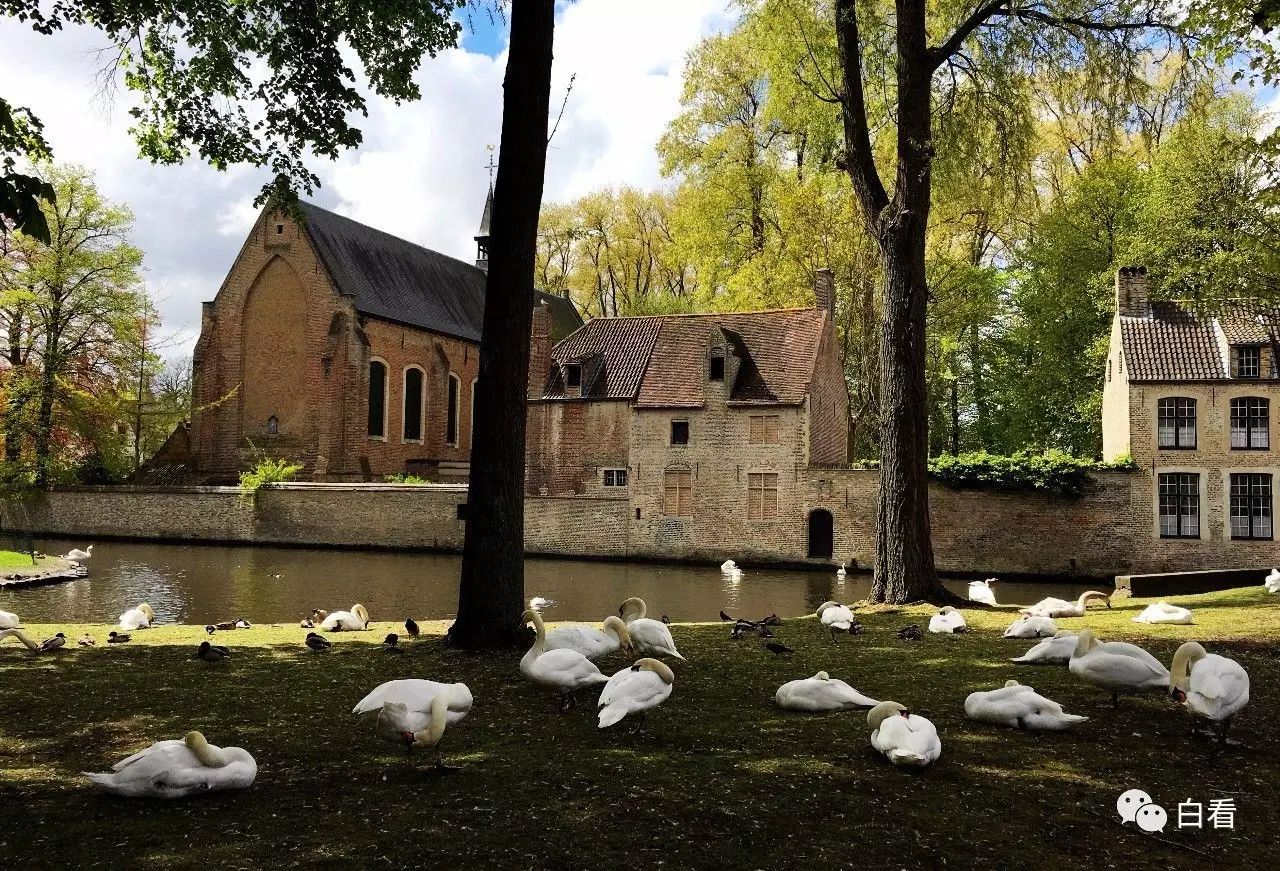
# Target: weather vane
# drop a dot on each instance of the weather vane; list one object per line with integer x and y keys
{"x": 492, "y": 166}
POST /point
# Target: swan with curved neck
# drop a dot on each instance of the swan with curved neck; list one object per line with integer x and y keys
{"x": 980, "y": 591}
{"x": 140, "y": 617}
{"x": 903, "y": 737}
{"x": 174, "y": 769}
{"x": 21, "y": 636}
{"x": 648, "y": 637}
{"x": 1163, "y": 612}
{"x": 1052, "y": 651}
{"x": 612, "y": 636}
{"x": 1210, "y": 686}
{"x": 565, "y": 671}
{"x": 948, "y": 620}
{"x": 1116, "y": 666}
{"x": 1054, "y": 608}
{"x": 634, "y": 690}
{"x": 355, "y": 620}
{"x": 414, "y": 729}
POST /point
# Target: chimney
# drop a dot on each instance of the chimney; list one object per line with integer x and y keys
{"x": 1132, "y": 299}
{"x": 539, "y": 349}
{"x": 824, "y": 291}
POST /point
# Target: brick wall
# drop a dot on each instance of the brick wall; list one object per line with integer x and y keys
{"x": 828, "y": 404}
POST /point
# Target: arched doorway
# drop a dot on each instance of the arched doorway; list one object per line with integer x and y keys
{"x": 821, "y": 534}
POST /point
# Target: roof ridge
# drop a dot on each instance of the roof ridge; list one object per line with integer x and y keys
{"x": 374, "y": 229}
{"x": 760, "y": 311}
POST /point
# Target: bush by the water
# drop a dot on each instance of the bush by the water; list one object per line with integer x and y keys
{"x": 404, "y": 478}
{"x": 1051, "y": 472}
{"x": 268, "y": 471}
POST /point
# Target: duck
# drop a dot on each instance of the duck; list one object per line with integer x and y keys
{"x": 318, "y": 615}
{"x": 981, "y": 592}
{"x": 1052, "y": 651}
{"x": 1210, "y": 686}
{"x": 1163, "y": 612}
{"x": 140, "y": 617}
{"x": 176, "y": 769}
{"x": 30, "y": 643}
{"x": 640, "y": 687}
{"x": 1116, "y": 666}
{"x": 910, "y": 633}
{"x": 76, "y": 555}
{"x": 118, "y": 637}
{"x": 224, "y": 626}
{"x": 778, "y": 649}
{"x": 1028, "y": 626}
{"x": 417, "y": 694}
{"x": 400, "y": 724}
{"x": 1020, "y": 707}
{"x": 317, "y": 643}
{"x": 903, "y": 737}
{"x": 212, "y": 652}
{"x": 49, "y": 645}
{"x": 591, "y": 642}
{"x": 304, "y": 623}
{"x": 86, "y": 640}
{"x": 819, "y": 694}
{"x": 1062, "y": 608}
{"x": 355, "y": 620}
{"x": 835, "y": 617}
{"x": 391, "y": 644}
{"x": 648, "y": 637}
{"x": 565, "y": 671}
{"x": 411, "y": 628}
{"x": 9, "y": 620}
{"x": 1272, "y": 581}
{"x": 948, "y": 620}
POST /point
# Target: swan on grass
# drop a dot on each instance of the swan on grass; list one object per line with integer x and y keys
{"x": 903, "y": 737}
{"x": 1062, "y": 608}
{"x": 175, "y": 769}
{"x": 835, "y": 618}
{"x": 947, "y": 620}
{"x": 1018, "y": 707}
{"x": 1116, "y": 666}
{"x": 635, "y": 689}
{"x": 649, "y": 637}
{"x": 77, "y": 555}
{"x": 1028, "y": 626}
{"x": 140, "y": 617}
{"x": 1052, "y": 651}
{"x": 591, "y": 642}
{"x": 819, "y": 694}
{"x": 417, "y": 695}
{"x": 412, "y": 729}
{"x": 9, "y": 620}
{"x": 565, "y": 671}
{"x": 980, "y": 591}
{"x": 1272, "y": 581}
{"x": 1163, "y": 612}
{"x": 355, "y": 620}
{"x": 1210, "y": 686}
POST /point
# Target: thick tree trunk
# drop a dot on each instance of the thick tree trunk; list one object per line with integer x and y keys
{"x": 44, "y": 425}
{"x": 16, "y": 399}
{"x": 491, "y": 592}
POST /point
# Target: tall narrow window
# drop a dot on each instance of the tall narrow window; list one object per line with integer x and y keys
{"x": 471, "y": 429}
{"x": 451, "y": 421}
{"x": 715, "y": 371}
{"x": 413, "y": 385}
{"x": 1249, "y": 423}
{"x": 1251, "y": 506}
{"x": 762, "y": 495}
{"x": 1176, "y": 424}
{"x": 1179, "y": 505}
{"x": 573, "y": 376}
{"x": 1248, "y": 361}
{"x": 377, "y": 399}
{"x": 679, "y": 432}
{"x": 677, "y": 494}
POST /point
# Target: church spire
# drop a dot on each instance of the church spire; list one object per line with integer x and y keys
{"x": 482, "y": 237}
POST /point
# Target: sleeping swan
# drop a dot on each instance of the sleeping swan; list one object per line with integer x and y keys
{"x": 174, "y": 769}
{"x": 1027, "y": 626}
{"x": 634, "y": 690}
{"x": 648, "y": 637}
{"x": 140, "y": 617}
{"x": 1052, "y": 651}
{"x": 590, "y": 641}
{"x": 1163, "y": 612}
{"x": 947, "y": 620}
{"x": 1019, "y": 707}
{"x": 355, "y": 620}
{"x": 903, "y": 737}
{"x": 819, "y": 694}
{"x": 9, "y": 620}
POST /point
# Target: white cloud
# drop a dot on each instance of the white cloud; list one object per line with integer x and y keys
{"x": 420, "y": 172}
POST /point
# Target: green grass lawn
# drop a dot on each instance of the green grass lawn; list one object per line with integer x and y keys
{"x": 10, "y": 559}
{"x": 720, "y": 778}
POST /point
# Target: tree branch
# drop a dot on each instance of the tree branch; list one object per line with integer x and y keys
{"x": 938, "y": 55}
{"x": 859, "y": 159}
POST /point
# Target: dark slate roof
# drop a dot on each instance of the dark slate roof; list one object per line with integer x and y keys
{"x": 1172, "y": 344}
{"x": 393, "y": 279}
{"x": 565, "y": 317}
{"x": 488, "y": 214}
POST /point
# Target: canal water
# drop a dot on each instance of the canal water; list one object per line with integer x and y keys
{"x": 200, "y": 584}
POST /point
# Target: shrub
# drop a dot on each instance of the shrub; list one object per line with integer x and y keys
{"x": 404, "y": 478}
{"x": 1051, "y": 472}
{"x": 268, "y": 471}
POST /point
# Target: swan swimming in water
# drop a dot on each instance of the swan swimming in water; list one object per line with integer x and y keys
{"x": 1210, "y": 686}
{"x": 565, "y": 671}
{"x": 355, "y": 620}
{"x": 904, "y": 738}
{"x": 980, "y": 591}
{"x": 648, "y": 636}
{"x": 590, "y": 641}
{"x": 728, "y": 567}
{"x": 1163, "y": 612}
{"x": 175, "y": 769}
{"x": 140, "y": 617}
{"x": 1018, "y": 707}
{"x": 1062, "y": 608}
{"x": 1052, "y": 651}
{"x": 947, "y": 620}
{"x": 819, "y": 694}
{"x": 1116, "y": 666}
{"x": 1027, "y": 626}
{"x": 635, "y": 689}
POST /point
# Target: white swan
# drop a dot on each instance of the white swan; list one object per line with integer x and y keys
{"x": 1052, "y": 651}
{"x": 903, "y": 737}
{"x": 841, "y": 572}
{"x": 820, "y": 693}
{"x": 1027, "y": 626}
{"x": 947, "y": 619}
{"x": 634, "y": 690}
{"x": 1062, "y": 608}
{"x": 1116, "y": 666}
{"x": 78, "y": 555}
{"x": 540, "y": 602}
{"x": 980, "y": 591}
{"x": 140, "y": 617}
{"x": 26, "y": 639}
{"x": 565, "y": 671}
{"x": 1019, "y": 707}
{"x": 417, "y": 694}
{"x": 590, "y": 641}
{"x": 9, "y": 620}
{"x": 1272, "y": 581}
{"x": 355, "y": 620}
{"x": 835, "y": 617}
{"x": 174, "y": 769}
{"x": 728, "y": 567}
{"x": 648, "y": 637}
{"x": 412, "y": 729}
{"x": 1209, "y": 685}
{"x": 1163, "y": 612}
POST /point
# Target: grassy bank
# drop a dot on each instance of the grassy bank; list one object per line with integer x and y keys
{"x": 721, "y": 778}
{"x": 11, "y": 559}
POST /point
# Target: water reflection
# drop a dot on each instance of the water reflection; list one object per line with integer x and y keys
{"x": 198, "y": 584}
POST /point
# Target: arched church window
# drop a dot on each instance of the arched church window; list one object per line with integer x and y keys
{"x": 413, "y": 398}
{"x": 451, "y": 422}
{"x": 377, "y": 399}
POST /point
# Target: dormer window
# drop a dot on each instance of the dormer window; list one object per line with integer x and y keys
{"x": 573, "y": 376}
{"x": 715, "y": 371}
{"x": 1248, "y": 361}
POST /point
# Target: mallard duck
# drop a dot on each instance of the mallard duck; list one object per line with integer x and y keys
{"x": 1210, "y": 686}
{"x": 212, "y": 652}
{"x": 1116, "y": 666}
{"x": 174, "y": 769}
{"x": 1019, "y": 707}
{"x": 317, "y": 643}
{"x": 633, "y": 690}
{"x": 118, "y": 637}
{"x": 819, "y": 694}
{"x": 49, "y": 645}
{"x": 903, "y": 737}
{"x": 778, "y": 649}
{"x": 910, "y": 633}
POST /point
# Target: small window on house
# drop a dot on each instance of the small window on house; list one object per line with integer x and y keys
{"x": 1179, "y": 505}
{"x": 762, "y": 495}
{"x": 1248, "y": 361}
{"x": 763, "y": 429}
{"x": 451, "y": 419}
{"x": 677, "y": 494}
{"x": 716, "y": 369}
{"x": 413, "y": 384}
{"x": 615, "y": 477}
{"x": 1251, "y": 506}
{"x": 279, "y": 229}
{"x": 679, "y": 432}
{"x": 1176, "y": 423}
{"x": 573, "y": 376}
{"x": 377, "y": 399}
{"x": 1249, "y": 423}
{"x": 273, "y": 425}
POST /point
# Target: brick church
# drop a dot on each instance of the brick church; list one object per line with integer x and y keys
{"x": 346, "y": 349}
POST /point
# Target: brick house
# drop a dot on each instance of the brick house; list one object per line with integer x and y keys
{"x": 344, "y": 348}
{"x": 708, "y": 423}
{"x": 1189, "y": 398}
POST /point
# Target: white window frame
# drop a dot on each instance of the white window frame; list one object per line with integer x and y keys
{"x": 386, "y": 400}
{"x": 626, "y": 474}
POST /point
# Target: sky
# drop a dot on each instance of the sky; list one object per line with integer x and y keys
{"x": 420, "y": 172}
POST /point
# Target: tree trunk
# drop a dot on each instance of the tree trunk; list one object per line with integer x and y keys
{"x": 491, "y": 591}
{"x": 16, "y": 397}
{"x": 44, "y": 423}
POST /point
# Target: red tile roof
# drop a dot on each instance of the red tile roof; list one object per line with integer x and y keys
{"x": 1171, "y": 345}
